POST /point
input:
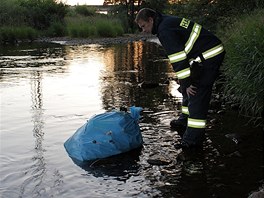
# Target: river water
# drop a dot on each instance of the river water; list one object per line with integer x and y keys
{"x": 48, "y": 91}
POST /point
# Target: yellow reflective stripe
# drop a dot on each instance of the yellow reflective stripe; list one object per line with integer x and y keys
{"x": 183, "y": 73}
{"x": 177, "y": 57}
{"x": 213, "y": 51}
{"x": 196, "y": 123}
{"x": 193, "y": 37}
{"x": 209, "y": 54}
{"x": 185, "y": 110}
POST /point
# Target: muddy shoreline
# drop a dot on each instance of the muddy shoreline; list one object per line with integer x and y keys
{"x": 101, "y": 41}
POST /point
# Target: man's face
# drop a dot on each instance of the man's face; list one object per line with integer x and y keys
{"x": 146, "y": 26}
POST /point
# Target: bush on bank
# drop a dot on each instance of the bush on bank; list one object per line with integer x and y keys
{"x": 28, "y": 19}
{"x": 41, "y": 14}
{"x": 84, "y": 10}
{"x": 244, "y": 64}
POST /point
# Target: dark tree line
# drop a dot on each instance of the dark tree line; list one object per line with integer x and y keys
{"x": 208, "y": 12}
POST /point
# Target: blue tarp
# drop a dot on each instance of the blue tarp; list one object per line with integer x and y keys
{"x": 105, "y": 135}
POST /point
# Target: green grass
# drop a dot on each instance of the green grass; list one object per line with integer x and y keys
{"x": 26, "y": 19}
{"x": 96, "y": 26}
{"x": 244, "y": 63}
{"x": 9, "y": 34}
{"x": 56, "y": 29}
{"x": 76, "y": 27}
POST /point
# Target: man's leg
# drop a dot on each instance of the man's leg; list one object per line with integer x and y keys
{"x": 181, "y": 122}
{"x": 198, "y": 104}
{"x": 198, "y": 108}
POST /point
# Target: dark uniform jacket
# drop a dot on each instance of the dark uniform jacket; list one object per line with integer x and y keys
{"x": 185, "y": 42}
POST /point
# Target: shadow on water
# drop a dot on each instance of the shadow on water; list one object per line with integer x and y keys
{"x": 230, "y": 164}
{"x": 121, "y": 166}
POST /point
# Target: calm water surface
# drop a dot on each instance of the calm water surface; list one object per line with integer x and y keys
{"x": 48, "y": 91}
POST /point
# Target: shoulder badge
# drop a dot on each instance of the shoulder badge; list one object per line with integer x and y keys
{"x": 185, "y": 23}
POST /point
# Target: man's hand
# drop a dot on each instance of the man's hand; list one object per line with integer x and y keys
{"x": 191, "y": 90}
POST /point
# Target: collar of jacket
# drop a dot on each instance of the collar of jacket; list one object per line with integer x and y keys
{"x": 157, "y": 21}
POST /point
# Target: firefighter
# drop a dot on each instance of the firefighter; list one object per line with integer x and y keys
{"x": 196, "y": 55}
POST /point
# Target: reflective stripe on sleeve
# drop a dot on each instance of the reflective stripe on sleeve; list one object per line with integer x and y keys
{"x": 193, "y": 37}
{"x": 183, "y": 73}
{"x": 185, "y": 110}
{"x": 177, "y": 57}
{"x": 196, "y": 123}
{"x": 209, "y": 53}
{"x": 213, "y": 51}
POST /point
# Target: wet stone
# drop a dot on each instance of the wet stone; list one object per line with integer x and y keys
{"x": 234, "y": 137}
{"x": 181, "y": 157}
{"x": 235, "y": 154}
{"x": 235, "y": 106}
{"x": 213, "y": 121}
{"x": 257, "y": 194}
{"x": 159, "y": 161}
{"x": 220, "y": 112}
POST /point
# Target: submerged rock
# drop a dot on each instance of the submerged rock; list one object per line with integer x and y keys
{"x": 234, "y": 137}
{"x": 235, "y": 154}
{"x": 159, "y": 161}
{"x": 258, "y": 194}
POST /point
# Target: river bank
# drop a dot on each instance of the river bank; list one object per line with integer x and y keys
{"x": 101, "y": 41}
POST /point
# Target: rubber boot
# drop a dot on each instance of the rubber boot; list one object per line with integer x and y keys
{"x": 179, "y": 124}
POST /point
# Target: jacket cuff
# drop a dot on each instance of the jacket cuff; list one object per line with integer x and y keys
{"x": 185, "y": 83}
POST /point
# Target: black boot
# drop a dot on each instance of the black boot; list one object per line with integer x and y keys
{"x": 179, "y": 124}
{"x": 182, "y": 145}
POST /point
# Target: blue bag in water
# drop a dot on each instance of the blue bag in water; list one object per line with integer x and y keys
{"x": 106, "y": 134}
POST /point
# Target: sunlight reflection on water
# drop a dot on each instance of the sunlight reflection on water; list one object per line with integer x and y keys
{"x": 52, "y": 91}
{"x": 48, "y": 91}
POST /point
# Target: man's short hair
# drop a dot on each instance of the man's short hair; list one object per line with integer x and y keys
{"x": 144, "y": 14}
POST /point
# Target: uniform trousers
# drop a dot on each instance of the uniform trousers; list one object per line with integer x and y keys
{"x": 198, "y": 104}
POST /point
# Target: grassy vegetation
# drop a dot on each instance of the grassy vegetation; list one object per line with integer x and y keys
{"x": 244, "y": 64}
{"x": 95, "y": 26}
{"x": 12, "y": 34}
{"x": 83, "y": 21}
{"x": 28, "y": 19}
